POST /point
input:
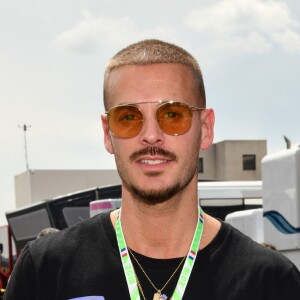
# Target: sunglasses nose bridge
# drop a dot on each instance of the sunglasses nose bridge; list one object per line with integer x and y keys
{"x": 151, "y": 131}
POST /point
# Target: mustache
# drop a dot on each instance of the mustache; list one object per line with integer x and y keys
{"x": 152, "y": 151}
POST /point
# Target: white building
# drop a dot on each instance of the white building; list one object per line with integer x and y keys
{"x": 36, "y": 185}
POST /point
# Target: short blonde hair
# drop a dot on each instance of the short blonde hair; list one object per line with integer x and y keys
{"x": 147, "y": 52}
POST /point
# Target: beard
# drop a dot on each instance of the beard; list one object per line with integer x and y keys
{"x": 155, "y": 196}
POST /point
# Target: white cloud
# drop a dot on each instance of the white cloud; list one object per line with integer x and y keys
{"x": 95, "y": 33}
{"x": 250, "y": 26}
{"x": 253, "y": 43}
{"x": 92, "y": 32}
{"x": 288, "y": 39}
{"x": 224, "y": 29}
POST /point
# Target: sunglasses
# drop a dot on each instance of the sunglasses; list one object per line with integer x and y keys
{"x": 173, "y": 117}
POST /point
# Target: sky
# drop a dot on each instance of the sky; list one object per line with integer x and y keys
{"x": 53, "y": 55}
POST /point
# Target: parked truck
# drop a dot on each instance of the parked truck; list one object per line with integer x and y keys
{"x": 277, "y": 223}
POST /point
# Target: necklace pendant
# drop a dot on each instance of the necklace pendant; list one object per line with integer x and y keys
{"x": 157, "y": 296}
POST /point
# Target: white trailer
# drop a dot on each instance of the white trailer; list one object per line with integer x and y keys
{"x": 278, "y": 223}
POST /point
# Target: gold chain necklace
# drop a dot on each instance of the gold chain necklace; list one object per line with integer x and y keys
{"x": 157, "y": 295}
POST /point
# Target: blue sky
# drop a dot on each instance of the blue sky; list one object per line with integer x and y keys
{"x": 53, "y": 53}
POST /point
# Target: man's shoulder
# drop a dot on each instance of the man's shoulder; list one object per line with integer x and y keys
{"x": 67, "y": 240}
{"x": 237, "y": 258}
{"x": 248, "y": 252}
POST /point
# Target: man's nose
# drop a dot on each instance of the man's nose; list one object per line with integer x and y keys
{"x": 151, "y": 134}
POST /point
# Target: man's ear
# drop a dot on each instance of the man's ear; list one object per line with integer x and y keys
{"x": 107, "y": 137}
{"x": 207, "y": 128}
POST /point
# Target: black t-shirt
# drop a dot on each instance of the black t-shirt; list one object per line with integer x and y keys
{"x": 84, "y": 260}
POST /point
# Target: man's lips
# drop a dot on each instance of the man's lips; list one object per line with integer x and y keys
{"x": 153, "y": 155}
{"x": 153, "y": 161}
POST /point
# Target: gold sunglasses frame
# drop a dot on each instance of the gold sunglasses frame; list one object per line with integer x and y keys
{"x": 161, "y": 103}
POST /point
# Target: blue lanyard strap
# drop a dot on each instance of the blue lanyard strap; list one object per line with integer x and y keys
{"x": 185, "y": 272}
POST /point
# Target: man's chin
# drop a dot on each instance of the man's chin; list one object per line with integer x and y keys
{"x": 153, "y": 174}
{"x": 154, "y": 196}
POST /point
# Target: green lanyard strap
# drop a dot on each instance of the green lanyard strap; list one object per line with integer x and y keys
{"x": 185, "y": 272}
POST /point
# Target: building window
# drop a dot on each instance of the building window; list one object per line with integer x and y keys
{"x": 200, "y": 165}
{"x": 249, "y": 162}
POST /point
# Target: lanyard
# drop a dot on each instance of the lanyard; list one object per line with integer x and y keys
{"x": 185, "y": 272}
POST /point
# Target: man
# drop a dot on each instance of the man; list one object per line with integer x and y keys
{"x": 160, "y": 244}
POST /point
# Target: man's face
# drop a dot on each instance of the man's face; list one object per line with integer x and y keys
{"x": 155, "y": 166}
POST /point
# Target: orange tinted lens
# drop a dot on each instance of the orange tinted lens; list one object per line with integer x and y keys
{"x": 125, "y": 121}
{"x": 174, "y": 118}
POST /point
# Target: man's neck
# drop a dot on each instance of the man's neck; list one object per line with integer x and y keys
{"x": 163, "y": 230}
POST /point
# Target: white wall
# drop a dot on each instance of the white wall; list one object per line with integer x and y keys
{"x": 36, "y": 185}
